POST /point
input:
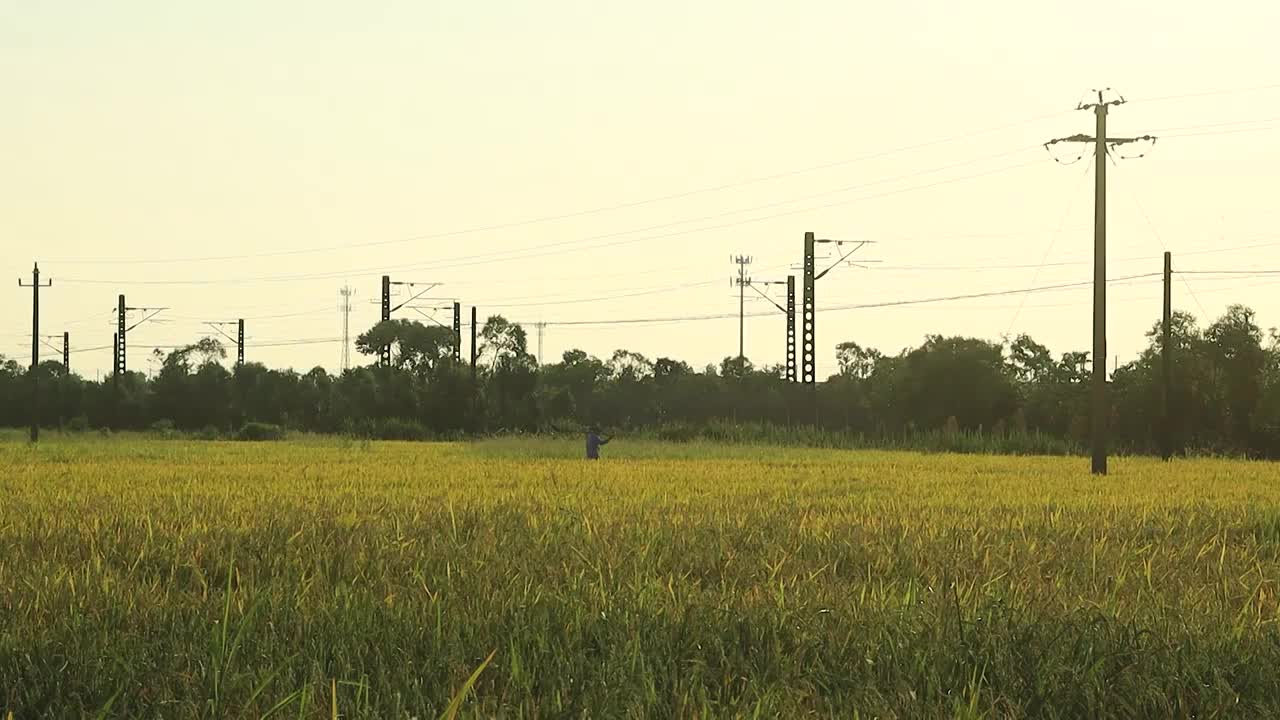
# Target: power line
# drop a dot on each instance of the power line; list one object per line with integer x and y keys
{"x": 855, "y": 306}
{"x": 1053, "y": 240}
{"x": 545, "y": 249}
{"x": 579, "y": 213}
{"x": 1207, "y": 93}
{"x": 1224, "y": 132}
{"x": 1133, "y": 194}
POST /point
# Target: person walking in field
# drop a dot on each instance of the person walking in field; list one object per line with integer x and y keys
{"x": 594, "y": 441}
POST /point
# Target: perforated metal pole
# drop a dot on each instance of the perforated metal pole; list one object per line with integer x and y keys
{"x": 240, "y": 341}
{"x": 457, "y": 332}
{"x": 121, "y": 364}
{"x": 791, "y": 328}
{"x": 385, "y": 357}
{"x": 808, "y": 365}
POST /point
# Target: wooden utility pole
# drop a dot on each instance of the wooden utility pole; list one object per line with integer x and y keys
{"x": 1100, "y": 407}
{"x": 1166, "y": 360}
{"x": 35, "y": 347}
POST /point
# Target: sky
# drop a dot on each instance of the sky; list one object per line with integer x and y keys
{"x": 590, "y": 164}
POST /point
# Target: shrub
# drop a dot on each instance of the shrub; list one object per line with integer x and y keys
{"x": 401, "y": 429}
{"x": 78, "y": 424}
{"x": 386, "y": 429}
{"x": 209, "y": 432}
{"x": 163, "y": 428}
{"x": 260, "y": 432}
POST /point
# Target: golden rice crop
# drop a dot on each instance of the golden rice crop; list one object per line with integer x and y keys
{"x": 145, "y": 578}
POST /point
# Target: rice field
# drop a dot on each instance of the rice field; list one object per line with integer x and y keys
{"x": 333, "y": 578}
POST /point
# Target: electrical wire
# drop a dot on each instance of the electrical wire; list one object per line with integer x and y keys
{"x": 1206, "y": 93}
{"x": 490, "y": 258}
{"x": 854, "y": 306}
{"x": 1053, "y": 241}
{"x": 1156, "y": 234}
{"x": 579, "y": 213}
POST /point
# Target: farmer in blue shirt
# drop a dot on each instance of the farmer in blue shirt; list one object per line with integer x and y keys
{"x": 594, "y": 441}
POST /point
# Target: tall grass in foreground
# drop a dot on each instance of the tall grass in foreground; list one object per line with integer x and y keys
{"x": 512, "y": 579}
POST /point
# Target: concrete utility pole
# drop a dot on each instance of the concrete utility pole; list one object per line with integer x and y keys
{"x": 35, "y": 347}
{"x": 474, "y": 349}
{"x": 385, "y": 356}
{"x": 791, "y": 328}
{"x": 65, "y": 348}
{"x": 238, "y": 339}
{"x": 121, "y": 342}
{"x": 1166, "y": 360}
{"x": 742, "y": 281}
{"x": 1101, "y": 143}
{"x": 809, "y": 324}
{"x": 789, "y": 310}
{"x": 457, "y": 331}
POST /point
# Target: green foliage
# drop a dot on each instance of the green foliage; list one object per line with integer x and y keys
{"x": 259, "y": 432}
{"x": 949, "y": 392}
{"x": 162, "y": 428}
{"x": 387, "y": 429}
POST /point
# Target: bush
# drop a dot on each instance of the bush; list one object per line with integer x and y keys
{"x": 209, "y": 432}
{"x": 386, "y": 429}
{"x": 78, "y": 424}
{"x": 260, "y": 432}
{"x": 163, "y": 428}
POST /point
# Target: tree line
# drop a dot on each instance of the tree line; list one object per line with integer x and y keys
{"x": 1225, "y": 394}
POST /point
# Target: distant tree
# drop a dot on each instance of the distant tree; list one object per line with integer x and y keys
{"x": 856, "y": 361}
{"x": 502, "y": 341}
{"x": 415, "y": 347}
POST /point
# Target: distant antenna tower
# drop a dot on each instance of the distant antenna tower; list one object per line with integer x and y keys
{"x": 345, "y": 308}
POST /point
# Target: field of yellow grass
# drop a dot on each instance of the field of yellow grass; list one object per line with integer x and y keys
{"x": 154, "y": 578}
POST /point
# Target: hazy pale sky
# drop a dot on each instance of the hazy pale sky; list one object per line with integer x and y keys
{"x": 587, "y": 161}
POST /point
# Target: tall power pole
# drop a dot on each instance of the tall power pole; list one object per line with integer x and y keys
{"x": 1166, "y": 360}
{"x": 238, "y": 339}
{"x": 542, "y": 328}
{"x": 791, "y": 328}
{"x": 457, "y": 331}
{"x": 64, "y": 349}
{"x": 742, "y": 281}
{"x": 474, "y": 350}
{"x": 1101, "y": 143}
{"x": 808, "y": 369}
{"x": 122, "y": 334}
{"x": 809, "y": 362}
{"x": 345, "y": 308}
{"x": 385, "y": 356}
{"x": 35, "y": 347}
{"x": 119, "y": 368}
